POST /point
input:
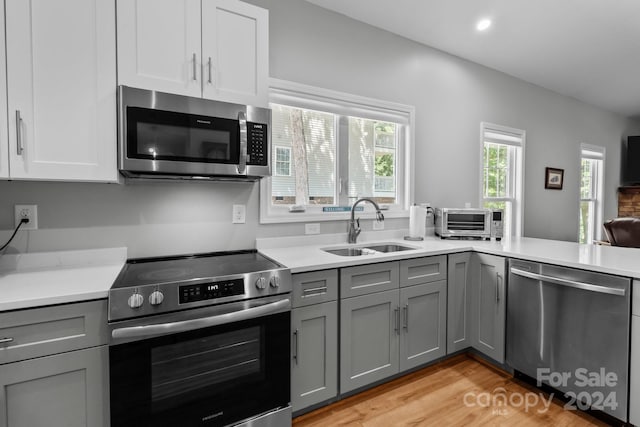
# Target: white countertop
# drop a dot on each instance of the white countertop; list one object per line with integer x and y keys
{"x": 38, "y": 279}
{"x": 310, "y": 256}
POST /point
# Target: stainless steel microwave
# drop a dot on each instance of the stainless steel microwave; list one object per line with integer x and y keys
{"x": 469, "y": 223}
{"x": 163, "y": 135}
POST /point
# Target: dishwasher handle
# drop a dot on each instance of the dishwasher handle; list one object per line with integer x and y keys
{"x": 569, "y": 283}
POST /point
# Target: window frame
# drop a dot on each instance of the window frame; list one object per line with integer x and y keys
{"x": 344, "y": 105}
{"x": 597, "y": 154}
{"x": 515, "y": 138}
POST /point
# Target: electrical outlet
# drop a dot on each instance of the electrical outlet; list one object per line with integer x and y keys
{"x": 239, "y": 214}
{"x": 312, "y": 228}
{"x": 27, "y": 211}
{"x": 378, "y": 225}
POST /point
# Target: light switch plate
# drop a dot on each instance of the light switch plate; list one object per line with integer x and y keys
{"x": 239, "y": 215}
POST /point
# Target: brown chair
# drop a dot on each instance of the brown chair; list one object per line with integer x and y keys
{"x": 623, "y": 232}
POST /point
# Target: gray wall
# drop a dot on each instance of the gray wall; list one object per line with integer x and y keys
{"x": 317, "y": 47}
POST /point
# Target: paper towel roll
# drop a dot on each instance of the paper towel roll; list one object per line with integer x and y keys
{"x": 417, "y": 221}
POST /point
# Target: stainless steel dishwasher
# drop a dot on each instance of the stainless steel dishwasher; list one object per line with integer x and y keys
{"x": 569, "y": 329}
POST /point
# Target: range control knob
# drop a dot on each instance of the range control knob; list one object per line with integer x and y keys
{"x": 135, "y": 300}
{"x": 261, "y": 283}
{"x": 274, "y": 282}
{"x": 156, "y": 298}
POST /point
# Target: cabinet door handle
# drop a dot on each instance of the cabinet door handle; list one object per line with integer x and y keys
{"x": 210, "y": 71}
{"x": 406, "y": 317}
{"x": 195, "y": 75}
{"x": 498, "y": 280}
{"x": 396, "y": 315}
{"x": 313, "y": 292}
{"x": 19, "y": 132}
{"x": 295, "y": 346}
{"x": 6, "y": 340}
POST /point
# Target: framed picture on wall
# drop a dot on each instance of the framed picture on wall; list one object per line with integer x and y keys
{"x": 553, "y": 178}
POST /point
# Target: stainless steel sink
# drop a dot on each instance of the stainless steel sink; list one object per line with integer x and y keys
{"x": 390, "y": 248}
{"x": 368, "y": 250}
{"x": 345, "y": 251}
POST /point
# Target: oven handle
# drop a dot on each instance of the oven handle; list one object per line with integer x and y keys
{"x": 188, "y": 325}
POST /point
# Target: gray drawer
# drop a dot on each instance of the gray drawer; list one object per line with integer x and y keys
{"x": 423, "y": 270}
{"x": 314, "y": 287}
{"x": 370, "y": 278}
{"x": 44, "y": 331}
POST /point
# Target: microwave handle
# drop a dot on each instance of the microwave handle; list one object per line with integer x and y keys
{"x": 242, "y": 164}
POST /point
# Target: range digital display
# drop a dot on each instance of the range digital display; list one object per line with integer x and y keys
{"x": 211, "y": 290}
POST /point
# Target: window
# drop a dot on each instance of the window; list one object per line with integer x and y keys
{"x": 591, "y": 184}
{"x": 282, "y": 161}
{"x": 331, "y": 149}
{"x": 502, "y": 174}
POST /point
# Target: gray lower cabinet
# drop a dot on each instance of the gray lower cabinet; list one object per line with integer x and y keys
{"x": 54, "y": 366}
{"x": 369, "y": 339}
{"x": 314, "y": 338}
{"x": 314, "y": 365}
{"x": 392, "y": 318}
{"x": 488, "y": 308}
{"x": 424, "y": 316}
{"x": 458, "y": 302}
{"x": 634, "y": 373}
{"x": 64, "y": 390}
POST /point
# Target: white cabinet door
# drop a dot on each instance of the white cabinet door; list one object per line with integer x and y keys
{"x": 235, "y": 52}
{"x": 159, "y": 45}
{"x": 61, "y": 75}
{"x": 4, "y": 132}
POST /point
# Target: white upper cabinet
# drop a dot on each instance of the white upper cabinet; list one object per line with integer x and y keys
{"x": 159, "y": 45}
{"x": 4, "y": 133}
{"x": 216, "y": 49}
{"x": 61, "y": 77}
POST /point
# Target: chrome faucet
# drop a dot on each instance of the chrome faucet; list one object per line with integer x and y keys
{"x": 354, "y": 224}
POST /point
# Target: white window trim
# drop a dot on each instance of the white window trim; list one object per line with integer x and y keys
{"x": 275, "y": 147}
{"x": 594, "y": 152}
{"x": 315, "y": 98}
{"x": 518, "y": 200}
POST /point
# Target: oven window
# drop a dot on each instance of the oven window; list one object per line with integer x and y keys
{"x": 165, "y": 135}
{"x": 184, "y": 368}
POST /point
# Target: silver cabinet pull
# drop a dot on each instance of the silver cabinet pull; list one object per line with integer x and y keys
{"x": 569, "y": 283}
{"x": 5, "y": 340}
{"x": 195, "y": 75}
{"x": 498, "y": 280}
{"x": 313, "y": 292}
{"x": 242, "y": 164}
{"x": 295, "y": 346}
{"x": 396, "y": 315}
{"x": 19, "y": 132}
{"x": 210, "y": 71}
{"x": 406, "y": 317}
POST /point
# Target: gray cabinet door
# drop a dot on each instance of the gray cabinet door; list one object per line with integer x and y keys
{"x": 370, "y": 278}
{"x": 314, "y": 354}
{"x": 424, "y": 319}
{"x": 489, "y": 309}
{"x": 634, "y": 391}
{"x": 369, "y": 339}
{"x": 65, "y": 390}
{"x": 458, "y": 302}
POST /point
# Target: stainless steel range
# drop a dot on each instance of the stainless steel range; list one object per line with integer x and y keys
{"x": 200, "y": 340}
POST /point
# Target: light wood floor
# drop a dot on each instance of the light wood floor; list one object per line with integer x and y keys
{"x": 435, "y": 396}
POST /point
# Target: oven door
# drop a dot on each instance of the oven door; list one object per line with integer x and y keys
{"x": 211, "y": 376}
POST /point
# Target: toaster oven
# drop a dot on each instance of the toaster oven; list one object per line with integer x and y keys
{"x": 468, "y": 223}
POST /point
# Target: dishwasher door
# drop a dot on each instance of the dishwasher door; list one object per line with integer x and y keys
{"x": 569, "y": 329}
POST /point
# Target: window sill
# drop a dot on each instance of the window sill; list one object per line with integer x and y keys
{"x": 295, "y": 217}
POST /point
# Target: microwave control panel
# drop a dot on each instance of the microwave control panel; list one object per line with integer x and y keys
{"x": 257, "y": 144}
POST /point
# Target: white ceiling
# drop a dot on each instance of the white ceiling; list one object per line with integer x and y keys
{"x": 586, "y": 49}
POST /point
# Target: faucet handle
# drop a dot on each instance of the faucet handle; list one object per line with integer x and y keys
{"x": 358, "y": 224}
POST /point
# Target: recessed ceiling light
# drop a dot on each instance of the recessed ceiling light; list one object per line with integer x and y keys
{"x": 483, "y": 24}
